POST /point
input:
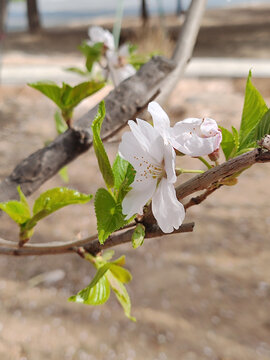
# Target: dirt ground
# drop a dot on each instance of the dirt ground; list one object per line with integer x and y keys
{"x": 198, "y": 296}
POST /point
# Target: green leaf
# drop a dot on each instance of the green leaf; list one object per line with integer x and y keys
{"x": 60, "y": 124}
{"x": 92, "y": 54}
{"x": 19, "y": 211}
{"x": 228, "y": 143}
{"x": 101, "y": 272}
{"x": 124, "y": 174}
{"x": 95, "y": 295}
{"x": 109, "y": 214}
{"x": 63, "y": 173}
{"x": 49, "y": 89}
{"x": 120, "y": 261}
{"x": 121, "y": 294}
{"x": 120, "y": 273}
{"x": 77, "y": 71}
{"x": 72, "y": 96}
{"x": 56, "y": 198}
{"x": 253, "y": 111}
{"x": 102, "y": 157}
{"x": 107, "y": 255}
{"x": 260, "y": 130}
{"x": 138, "y": 236}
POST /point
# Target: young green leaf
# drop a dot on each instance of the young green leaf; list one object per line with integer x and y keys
{"x": 120, "y": 261}
{"x": 253, "y": 111}
{"x": 259, "y": 131}
{"x": 60, "y": 124}
{"x": 56, "y": 198}
{"x": 94, "y": 295}
{"x": 63, "y": 173}
{"x": 101, "y": 271}
{"x": 72, "y": 96}
{"x": 77, "y": 70}
{"x": 138, "y": 236}
{"x": 19, "y": 211}
{"x": 92, "y": 54}
{"x": 124, "y": 174}
{"x": 107, "y": 255}
{"x": 121, "y": 293}
{"x": 109, "y": 214}
{"x": 228, "y": 143}
{"x": 49, "y": 89}
{"x": 120, "y": 273}
{"x": 102, "y": 157}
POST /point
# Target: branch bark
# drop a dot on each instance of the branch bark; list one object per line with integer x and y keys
{"x": 213, "y": 176}
{"x": 90, "y": 244}
{"x": 122, "y": 104}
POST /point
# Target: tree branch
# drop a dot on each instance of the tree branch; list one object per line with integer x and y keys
{"x": 200, "y": 198}
{"x": 122, "y": 104}
{"x": 91, "y": 244}
{"x": 212, "y": 177}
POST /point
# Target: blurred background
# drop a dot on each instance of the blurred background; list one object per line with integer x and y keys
{"x": 203, "y": 295}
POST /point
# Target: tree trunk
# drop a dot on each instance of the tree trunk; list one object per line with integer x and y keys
{"x": 33, "y": 15}
{"x": 144, "y": 12}
{"x": 3, "y": 14}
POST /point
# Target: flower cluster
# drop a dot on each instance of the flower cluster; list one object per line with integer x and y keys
{"x": 151, "y": 151}
{"x": 117, "y": 66}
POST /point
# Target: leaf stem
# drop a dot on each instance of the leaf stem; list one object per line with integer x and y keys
{"x": 180, "y": 171}
{"x": 206, "y": 163}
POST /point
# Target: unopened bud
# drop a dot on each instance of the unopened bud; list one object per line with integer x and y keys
{"x": 265, "y": 142}
{"x": 214, "y": 156}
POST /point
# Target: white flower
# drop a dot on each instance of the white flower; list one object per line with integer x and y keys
{"x": 118, "y": 67}
{"x": 154, "y": 162}
{"x": 99, "y": 35}
{"x": 194, "y": 137}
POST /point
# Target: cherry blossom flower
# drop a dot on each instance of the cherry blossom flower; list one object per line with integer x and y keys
{"x": 99, "y": 35}
{"x": 192, "y": 136}
{"x": 119, "y": 68}
{"x": 154, "y": 162}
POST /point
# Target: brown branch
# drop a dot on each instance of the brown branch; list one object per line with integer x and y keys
{"x": 200, "y": 198}
{"x": 213, "y": 176}
{"x": 90, "y": 244}
{"x": 122, "y": 104}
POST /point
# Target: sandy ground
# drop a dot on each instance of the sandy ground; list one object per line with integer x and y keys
{"x": 198, "y": 296}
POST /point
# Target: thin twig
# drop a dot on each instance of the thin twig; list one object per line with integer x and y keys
{"x": 91, "y": 244}
{"x": 200, "y": 198}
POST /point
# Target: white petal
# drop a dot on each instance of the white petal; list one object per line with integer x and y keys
{"x": 167, "y": 210}
{"x": 209, "y": 127}
{"x": 160, "y": 118}
{"x": 122, "y": 73}
{"x": 169, "y": 163}
{"x": 186, "y": 136}
{"x": 149, "y": 139}
{"x": 123, "y": 50}
{"x": 132, "y": 151}
{"x": 98, "y": 34}
{"x": 138, "y": 196}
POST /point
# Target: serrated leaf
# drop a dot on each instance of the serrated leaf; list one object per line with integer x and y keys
{"x": 120, "y": 273}
{"x": 260, "y": 130}
{"x": 121, "y": 294}
{"x": 109, "y": 214}
{"x": 56, "y": 198}
{"x": 60, "y": 124}
{"x": 102, "y": 157}
{"x": 18, "y": 211}
{"x": 253, "y": 111}
{"x": 96, "y": 295}
{"x": 138, "y": 236}
{"x": 49, "y": 89}
{"x": 124, "y": 174}
{"x": 227, "y": 143}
